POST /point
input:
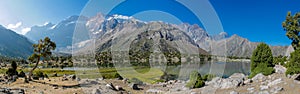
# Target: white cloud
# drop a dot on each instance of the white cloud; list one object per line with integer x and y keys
{"x": 25, "y": 30}
{"x": 14, "y": 26}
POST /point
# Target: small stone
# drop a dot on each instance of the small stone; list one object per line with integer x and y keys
{"x": 264, "y": 87}
{"x": 275, "y": 82}
{"x": 134, "y": 86}
{"x": 248, "y": 81}
{"x": 118, "y": 88}
{"x": 251, "y": 90}
{"x": 153, "y": 91}
{"x": 96, "y": 91}
{"x": 233, "y": 92}
{"x": 276, "y": 89}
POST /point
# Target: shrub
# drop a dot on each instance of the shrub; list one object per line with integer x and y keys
{"x": 22, "y": 74}
{"x": 39, "y": 74}
{"x": 208, "y": 77}
{"x": 262, "y": 68}
{"x": 117, "y": 75}
{"x": 262, "y": 60}
{"x": 11, "y": 72}
{"x": 195, "y": 80}
{"x": 293, "y": 66}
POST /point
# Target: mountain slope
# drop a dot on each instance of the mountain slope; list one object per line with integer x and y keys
{"x": 13, "y": 44}
{"x": 61, "y": 33}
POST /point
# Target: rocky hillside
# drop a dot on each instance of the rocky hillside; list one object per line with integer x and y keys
{"x": 13, "y": 44}
{"x": 142, "y": 38}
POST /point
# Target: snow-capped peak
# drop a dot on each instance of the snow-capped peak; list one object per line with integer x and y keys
{"x": 116, "y": 16}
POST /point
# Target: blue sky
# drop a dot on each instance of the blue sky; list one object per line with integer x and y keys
{"x": 257, "y": 20}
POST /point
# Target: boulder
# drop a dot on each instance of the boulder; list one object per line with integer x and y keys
{"x": 276, "y": 89}
{"x": 275, "y": 82}
{"x": 238, "y": 76}
{"x": 263, "y": 87}
{"x": 280, "y": 69}
{"x": 134, "y": 86}
{"x": 96, "y": 91}
{"x": 296, "y": 77}
{"x": 119, "y": 88}
{"x": 248, "y": 81}
{"x": 153, "y": 91}
{"x": 111, "y": 86}
{"x": 259, "y": 77}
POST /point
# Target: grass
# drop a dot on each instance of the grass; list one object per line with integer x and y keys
{"x": 144, "y": 74}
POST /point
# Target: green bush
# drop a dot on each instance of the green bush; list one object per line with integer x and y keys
{"x": 262, "y": 68}
{"x": 293, "y": 66}
{"x": 39, "y": 74}
{"x": 262, "y": 60}
{"x": 195, "y": 80}
{"x": 117, "y": 75}
{"x": 22, "y": 74}
{"x": 208, "y": 77}
{"x": 11, "y": 72}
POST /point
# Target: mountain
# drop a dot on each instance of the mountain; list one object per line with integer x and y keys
{"x": 142, "y": 38}
{"x": 105, "y": 29}
{"x": 61, "y": 33}
{"x": 99, "y": 31}
{"x": 13, "y": 44}
{"x": 241, "y": 47}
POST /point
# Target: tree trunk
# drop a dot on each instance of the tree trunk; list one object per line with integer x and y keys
{"x": 31, "y": 71}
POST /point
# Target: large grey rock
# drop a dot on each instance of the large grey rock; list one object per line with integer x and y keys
{"x": 275, "y": 82}
{"x": 259, "y": 77}
{"x": 263, "y": 87}
{"x": 233, "y": 81}
{"x": 276, "y": 89}
{"x": 296, "y": 77}
{"x": 280, "y": 69}
{"x": 153, "y": 91}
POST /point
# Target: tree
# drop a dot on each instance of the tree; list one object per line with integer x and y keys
{"x": 293, "y": 66}
{"x": 292, "y": 27}
{"x": 13, "y": 70}
{"x": 262, "y": 60}
{"x": 41, "y": 51}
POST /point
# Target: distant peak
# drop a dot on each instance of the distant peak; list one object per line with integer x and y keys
{"x": 116, "y": 16}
